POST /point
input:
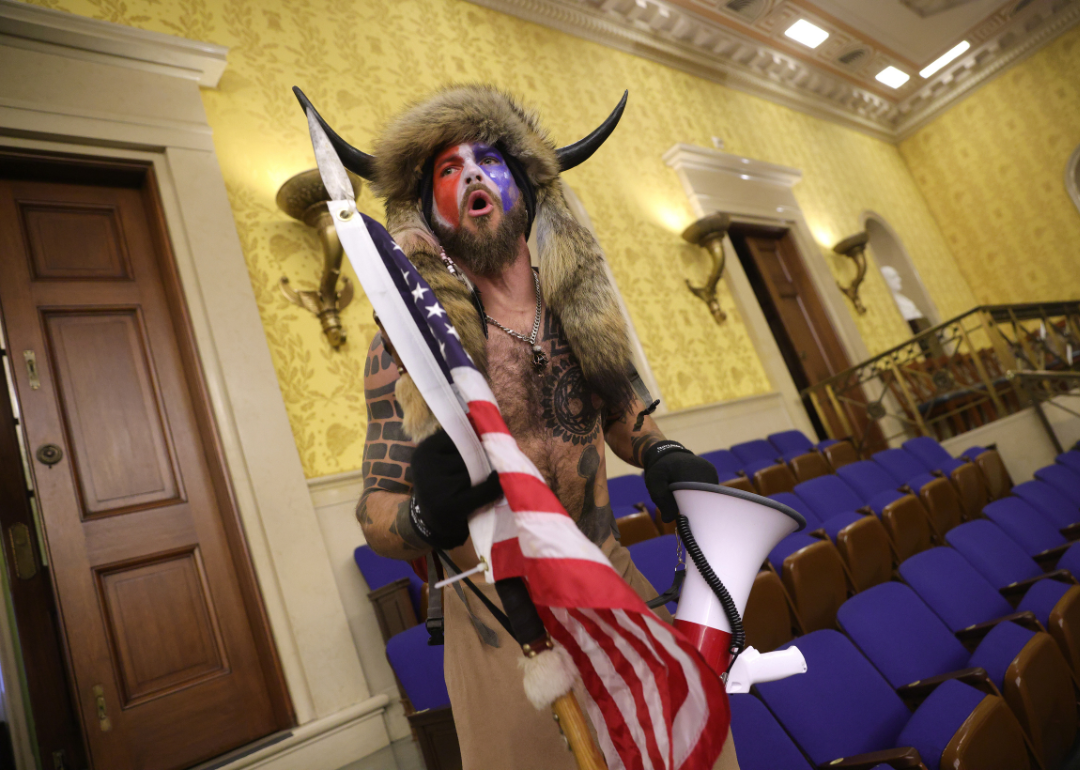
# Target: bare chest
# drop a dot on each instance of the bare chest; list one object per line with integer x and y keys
{"x": 554, "y": 416}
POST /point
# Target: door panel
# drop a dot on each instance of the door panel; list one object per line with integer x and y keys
{"x": 143, "y": 567}
{"x": 111, "y": 410}
{"x": 52, "y": 228}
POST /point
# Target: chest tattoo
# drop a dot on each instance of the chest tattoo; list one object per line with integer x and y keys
{"x": 571, "y": 411}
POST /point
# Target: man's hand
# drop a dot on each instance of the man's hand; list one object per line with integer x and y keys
{"x": 667, "y": 462}
{"x": 443, "y": 495}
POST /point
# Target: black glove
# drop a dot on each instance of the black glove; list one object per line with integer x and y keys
{"x": 668, "y": 462}
{"x": 443, "y": 496}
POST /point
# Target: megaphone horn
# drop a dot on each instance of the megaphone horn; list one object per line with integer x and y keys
{"x": 728, "y": 534}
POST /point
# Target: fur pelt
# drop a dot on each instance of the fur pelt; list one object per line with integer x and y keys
{"x": 573, "y": 281}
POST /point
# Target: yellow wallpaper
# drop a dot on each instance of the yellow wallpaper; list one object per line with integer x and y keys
{"x": 993, "y": 170}
{"x": 362, "y": 60}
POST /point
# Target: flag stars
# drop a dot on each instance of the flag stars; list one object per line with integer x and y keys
{"x": 442, "y": 349}
{"x": 435, "y": 311}
{"x": 452, "y": 331}
{"x": 407, "y": 274}
{"x": 418, "y": 293}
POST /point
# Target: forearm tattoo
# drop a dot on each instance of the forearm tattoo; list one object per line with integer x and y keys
{"x": 403, "y": 527}
{"x": 639, "y": 442}
{"x": 387, "y": 451}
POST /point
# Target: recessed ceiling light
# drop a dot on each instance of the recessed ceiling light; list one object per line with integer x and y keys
{"x": 944, "y": 59}
{"x": 892, "y": 77}
{"x": 806, "y": 33}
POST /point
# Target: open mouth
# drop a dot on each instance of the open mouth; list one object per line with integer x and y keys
{"x": 479, "y": 204}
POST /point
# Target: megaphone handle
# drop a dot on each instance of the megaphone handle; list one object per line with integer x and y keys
{"x": 738, "y": 635}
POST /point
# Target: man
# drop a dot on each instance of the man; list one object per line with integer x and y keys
{"x": 465, "y": 175}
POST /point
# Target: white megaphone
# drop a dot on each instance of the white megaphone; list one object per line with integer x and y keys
{"x": 733, "y": 531}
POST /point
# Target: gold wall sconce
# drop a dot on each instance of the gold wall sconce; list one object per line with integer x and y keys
{"x": 304, "y": 198}
{"x": 854, "y": 248}
{"x": 708, "y": 232}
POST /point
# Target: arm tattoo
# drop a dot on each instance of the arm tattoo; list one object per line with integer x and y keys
{"x": 403, "y": 527}
{"x": 387, "y": 451}
{"x": 641, "y": 442}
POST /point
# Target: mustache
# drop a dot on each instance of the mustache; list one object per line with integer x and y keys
{"x": 496, "y": 198}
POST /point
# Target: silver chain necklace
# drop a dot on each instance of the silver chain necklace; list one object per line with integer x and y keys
{"x": 540, "y": 358}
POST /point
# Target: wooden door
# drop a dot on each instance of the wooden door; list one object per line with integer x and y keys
{"x": 797, "y": 318}
{"x": 170, "y": 658}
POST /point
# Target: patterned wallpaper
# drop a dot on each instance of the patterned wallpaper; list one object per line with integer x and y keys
{"x": 993, "y": 171}
{"x": 361, "y": 61}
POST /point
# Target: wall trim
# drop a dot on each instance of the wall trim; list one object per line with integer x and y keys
{"x": 673, "y": 35}
{"x": 324, "y": 744}
{"x": 45, "y": 29}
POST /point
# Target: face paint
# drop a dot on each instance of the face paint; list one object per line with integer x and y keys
{"x": 460, "y": 171}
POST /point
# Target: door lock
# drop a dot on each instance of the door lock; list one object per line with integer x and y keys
{"x": 49, "y": 454}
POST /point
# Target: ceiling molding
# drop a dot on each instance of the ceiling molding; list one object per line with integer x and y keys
{"x": 44, "y": 29}
{"x": 678, "y": 37}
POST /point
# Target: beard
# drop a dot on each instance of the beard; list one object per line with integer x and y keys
{"x": 489, "y": 250}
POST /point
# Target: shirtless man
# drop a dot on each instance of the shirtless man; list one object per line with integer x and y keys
{"x": 417, "y": 497}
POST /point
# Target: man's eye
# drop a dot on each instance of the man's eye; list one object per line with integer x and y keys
{"x": 447, "y": 171}
{"x": 489, "y": 161}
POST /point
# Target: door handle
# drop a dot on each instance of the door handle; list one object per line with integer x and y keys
{"x": 49, "y": 454}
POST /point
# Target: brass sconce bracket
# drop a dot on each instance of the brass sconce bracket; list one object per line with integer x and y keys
{"x": 854, "y": 248}
{"x": 708, "y": 232}
{"x": 304, "y": 198}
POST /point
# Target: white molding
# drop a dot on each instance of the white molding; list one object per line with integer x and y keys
{"x": 45, "y": 30}
{"x": 1072, "y": 177}
{"x": 329, "y": 743}
{"x": 680, "y": 38}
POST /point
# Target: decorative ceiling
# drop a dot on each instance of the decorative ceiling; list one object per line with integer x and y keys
{"x": 865, "y": 73}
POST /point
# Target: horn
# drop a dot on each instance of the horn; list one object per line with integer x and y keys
{"x": 360, "y": 163}
{"x": 580, "y": 151}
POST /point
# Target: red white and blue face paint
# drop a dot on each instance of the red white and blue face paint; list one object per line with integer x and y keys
{"x": 471, "y": 181}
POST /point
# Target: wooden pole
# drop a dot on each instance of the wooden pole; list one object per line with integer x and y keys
{"x": 575, "y": 728}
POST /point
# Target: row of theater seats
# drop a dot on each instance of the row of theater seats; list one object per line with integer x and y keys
{"x": 996, "y": 609}
{"x": 819, "y": 576}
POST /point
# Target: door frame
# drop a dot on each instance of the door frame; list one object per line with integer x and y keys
{"x": 755, "y": 192}
{"x": 83, "y": 78}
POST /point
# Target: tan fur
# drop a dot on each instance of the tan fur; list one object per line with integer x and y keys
{"x": 572, "y": 276}
{"x": 418, "y": 422}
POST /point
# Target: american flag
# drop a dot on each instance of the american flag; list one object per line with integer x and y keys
{"x": 653, "y": 701}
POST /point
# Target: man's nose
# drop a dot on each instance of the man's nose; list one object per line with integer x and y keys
{"x": 472, "y": 173}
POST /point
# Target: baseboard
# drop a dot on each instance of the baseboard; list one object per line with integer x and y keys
{"x": 329, "y": 743}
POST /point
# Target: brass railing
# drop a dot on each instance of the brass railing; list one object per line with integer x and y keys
{"x": 953, "y": 377}
{"x": 1050, "y": 388}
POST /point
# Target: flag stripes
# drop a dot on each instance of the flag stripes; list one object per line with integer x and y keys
{"x": 654, "y": 702}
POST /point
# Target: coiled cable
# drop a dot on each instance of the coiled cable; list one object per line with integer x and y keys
{"x": 738, "y": 635}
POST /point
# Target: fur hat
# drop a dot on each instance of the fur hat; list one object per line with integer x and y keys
{"x": 572, "y": 277}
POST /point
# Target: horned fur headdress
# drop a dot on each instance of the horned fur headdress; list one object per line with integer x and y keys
{"x": 572, "y": 277}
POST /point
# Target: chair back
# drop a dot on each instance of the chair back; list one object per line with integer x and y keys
{"x": 1046, "y": 499}
{"x": 995, "y": 555}
{"x": 752, "y": 451}
{"x": 419, "y": 668}
{"x": 953, "y": 589}
{"x": 900, "y": 635}
{"x": 657, "y": 559}
{"x": 1066, "y": 481}
{"x": 628, "y": 491}
{"x": 828, "y": 496}
{"x": 1025, "y": 525}
{"x": 762, "y": 742}
{"x": 790, "y": 442}
{"x": 901, "y": 465}
{"x": 379, "y": 571}
{"x": 841, "y": 706}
